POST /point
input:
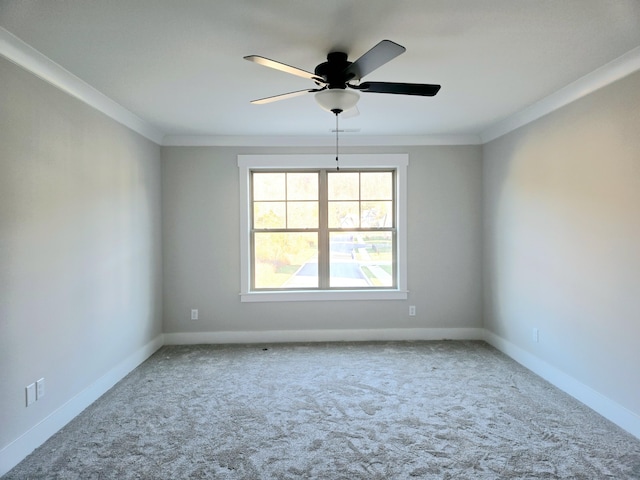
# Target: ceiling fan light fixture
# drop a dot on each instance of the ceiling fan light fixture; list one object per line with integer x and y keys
{"x": 337, "y": 100}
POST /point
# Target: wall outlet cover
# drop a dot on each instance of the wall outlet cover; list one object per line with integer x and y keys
{"x": 31, "y": 393}
{"x": 40, "y": 389}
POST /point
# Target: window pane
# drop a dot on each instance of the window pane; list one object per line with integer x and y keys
{"x": 344, "y": 214}
{"x": 286, "y": 260}
{"x": 343, "y": 185}
{"x": 377, "y": 215}
{"x": 360, "y": 259}
{"x": 269, "y": 186}
{"x": 302, "y": 214}
{"x": 302, "y": 186}
{"x": 376, "y": 185}
{"x": 269, "y": 215}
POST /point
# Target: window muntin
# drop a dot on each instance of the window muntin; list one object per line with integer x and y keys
{"x": 323, "y": 229}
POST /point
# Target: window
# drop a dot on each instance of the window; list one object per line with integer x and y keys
{"x": 309, "y": 231}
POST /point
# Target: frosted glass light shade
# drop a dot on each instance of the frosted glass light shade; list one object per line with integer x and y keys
{"x": 337, "y": 99}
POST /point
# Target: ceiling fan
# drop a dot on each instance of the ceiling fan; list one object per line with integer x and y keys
{"x": 338, "y": 79}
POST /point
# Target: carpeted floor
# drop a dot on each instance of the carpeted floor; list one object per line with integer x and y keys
{"x": 392, "y": 410}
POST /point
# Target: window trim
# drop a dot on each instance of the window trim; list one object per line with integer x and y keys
{"x": 247, "y": 163}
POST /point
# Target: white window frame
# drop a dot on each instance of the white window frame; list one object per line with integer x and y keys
{"x": 247, "y": 163}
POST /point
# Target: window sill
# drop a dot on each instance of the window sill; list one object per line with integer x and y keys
{"x": 323, "y": 295}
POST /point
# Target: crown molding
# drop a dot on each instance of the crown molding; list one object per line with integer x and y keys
{"x": 601, "y": 77}
{"x": 317, "y": 141}
{"x": 27, "y": 57}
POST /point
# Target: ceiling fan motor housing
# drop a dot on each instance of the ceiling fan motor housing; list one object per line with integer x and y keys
{"x": 333, "y": 70}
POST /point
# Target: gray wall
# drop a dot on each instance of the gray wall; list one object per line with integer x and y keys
{"x": 201, "y": 236}
{"x": 80, "y": 256}
{"x": 562, "y": 239}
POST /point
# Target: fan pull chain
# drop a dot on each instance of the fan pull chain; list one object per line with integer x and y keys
{"x": 337, "y": 164}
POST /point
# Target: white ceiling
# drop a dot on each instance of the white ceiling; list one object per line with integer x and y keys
{"x": 178, "y": 65}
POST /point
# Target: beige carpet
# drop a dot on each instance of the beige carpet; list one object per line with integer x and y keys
{"x": 436, "y": 410}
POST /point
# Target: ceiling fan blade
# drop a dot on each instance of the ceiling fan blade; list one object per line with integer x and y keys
{"x": 380, "y": 54}
{"x": 283, "y": 96}
{"x": 422, "y": 89}
{"x": 283, "y": 67}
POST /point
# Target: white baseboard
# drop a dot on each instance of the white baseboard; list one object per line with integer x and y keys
{"x": 359, "y": 335}
{"x": 606, "y": 407}
{"x": 17, "y": 450}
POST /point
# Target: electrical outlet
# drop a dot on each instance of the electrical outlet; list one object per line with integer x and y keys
{"x": 412, "y": 310}
{"x": 194, "y": 314}
{"x": 40, "y": 389}
{"x": 31, "y": 393}
{"x": 535, "y": 335}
